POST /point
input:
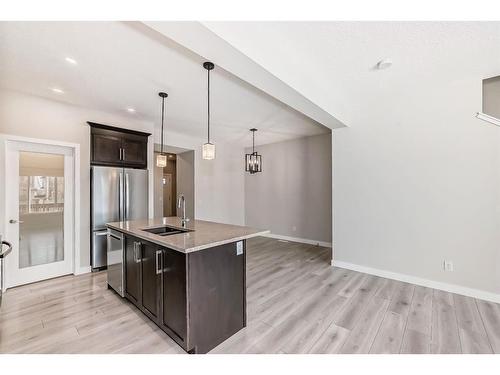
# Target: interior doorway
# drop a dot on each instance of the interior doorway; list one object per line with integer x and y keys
{"x": 171, "y": 181}
{"x": 40, "y": 211}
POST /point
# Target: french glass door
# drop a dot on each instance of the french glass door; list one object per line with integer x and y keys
{"x": 39, "y": 212}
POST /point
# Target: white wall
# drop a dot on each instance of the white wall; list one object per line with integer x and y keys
{"x": 220, "y": 183}
{"x": 185, "y": 181}
{"x": 293, "y": 194}
{"x": 416, "y": 176}
{"x": 418, "y": 182}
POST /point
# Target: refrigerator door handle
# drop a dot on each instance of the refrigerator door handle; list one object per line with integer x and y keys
{"x": 127, "y": 196}
{"x": 120, "y": 197}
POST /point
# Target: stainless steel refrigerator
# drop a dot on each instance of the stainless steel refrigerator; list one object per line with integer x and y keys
{"x": 117, "y": 194}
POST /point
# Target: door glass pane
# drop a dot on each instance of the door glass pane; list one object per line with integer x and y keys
{"x": 41, "y": 205}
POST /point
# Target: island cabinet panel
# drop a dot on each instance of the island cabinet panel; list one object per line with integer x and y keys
{"x": 198, "y": 298}
{"x": 132, "y": 269}
{"x": 217, "y": 295}
{"x": 174, "y": 297}
{"x": 151, "y": 280}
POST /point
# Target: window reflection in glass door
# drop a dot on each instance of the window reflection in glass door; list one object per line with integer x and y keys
{"x": 41, "y": 206}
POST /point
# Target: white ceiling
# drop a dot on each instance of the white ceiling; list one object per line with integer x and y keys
{"x": 332, "y": 63}
{"x": 123, "y": 65}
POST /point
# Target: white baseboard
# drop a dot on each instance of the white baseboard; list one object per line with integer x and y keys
{"x": 297, "y": 239}
{"x": 457, "y": 289}
{"x": 82, "y": 270}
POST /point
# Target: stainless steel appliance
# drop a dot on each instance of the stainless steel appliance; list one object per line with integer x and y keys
{"x": 117, "y": 194}
{"x": 115, "y": 245}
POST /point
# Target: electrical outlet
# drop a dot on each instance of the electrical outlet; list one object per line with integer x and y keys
{"x": 294, "y": 228}
{"x": 239, "y": 247}
{"x": 448, "y": 266}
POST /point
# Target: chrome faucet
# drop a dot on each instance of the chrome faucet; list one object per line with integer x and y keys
{"x": 182, "y": 200}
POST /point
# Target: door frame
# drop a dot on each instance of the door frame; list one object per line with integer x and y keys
{"x": 5, "y": 140}
{"x": 172, "y": 195}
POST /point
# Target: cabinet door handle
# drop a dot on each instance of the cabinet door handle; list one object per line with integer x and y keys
{"x": 123, "y": 154}
{"x": 158, "y": 262}
{"x": 120, "y": 157}
{"x": 137, "y": 252}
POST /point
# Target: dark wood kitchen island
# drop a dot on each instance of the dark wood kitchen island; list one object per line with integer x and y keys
{"x": 189, "y": 279}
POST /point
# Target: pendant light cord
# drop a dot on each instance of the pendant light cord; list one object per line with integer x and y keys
{"x": 208, "y": 107}
{"x": 162, "y": 117}
{"x": 253, "y": 141}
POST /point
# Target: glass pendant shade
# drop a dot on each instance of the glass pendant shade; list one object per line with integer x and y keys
{"x": 208, "y": 151}
{"x": 161, "y": 160}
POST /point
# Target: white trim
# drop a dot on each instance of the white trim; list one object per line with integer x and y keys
{"x": 297, "y": 239}
{"x": 4, "y": 138}
{"x": 488, "y": 118}
{"x": 76, "y": 205}
{"x": 9, "y": 137}
{"x": 82, "y": 270}
{"x": 332, "y": 257}
{"x": 452, "y": 288}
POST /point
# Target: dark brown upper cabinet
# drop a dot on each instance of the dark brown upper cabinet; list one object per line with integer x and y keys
{"x": 117, "y": 147}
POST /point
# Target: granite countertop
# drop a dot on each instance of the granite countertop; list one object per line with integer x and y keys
{"x": 202, "y": 234}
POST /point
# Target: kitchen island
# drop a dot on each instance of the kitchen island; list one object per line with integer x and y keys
{"x": 188, "y": 278}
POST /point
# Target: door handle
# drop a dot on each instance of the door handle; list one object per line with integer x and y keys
{"x": 127, "y": 197}
{"x": 137, "y": 252}
{"x": 158, "y": 262}
{"x": 12, "y": 221}
{"x": 121, "y": 209}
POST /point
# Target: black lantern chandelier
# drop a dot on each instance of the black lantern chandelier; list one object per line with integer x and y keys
{"x": 253, "y": 161}
{"x": 161, "y": 158}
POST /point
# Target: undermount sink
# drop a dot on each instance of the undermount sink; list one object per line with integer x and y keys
{"x": 165, "y": 230}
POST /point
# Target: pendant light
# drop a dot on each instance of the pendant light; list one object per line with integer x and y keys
{"x": 208, "y": 150}
{"x": 161, "y": 158}
{"x": 253, "y": 161}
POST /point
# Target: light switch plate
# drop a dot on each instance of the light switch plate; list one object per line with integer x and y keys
{"x": 239, "y": 247}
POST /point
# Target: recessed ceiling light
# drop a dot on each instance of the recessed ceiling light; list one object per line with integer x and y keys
{"x": 384, "y": 64}
{"x": 71, "y": 60}
{"x": 131, "y": 110}
{"x": 57, "y": 90}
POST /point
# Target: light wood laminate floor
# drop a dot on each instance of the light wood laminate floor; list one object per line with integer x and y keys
{"x": 297, "y": 303}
